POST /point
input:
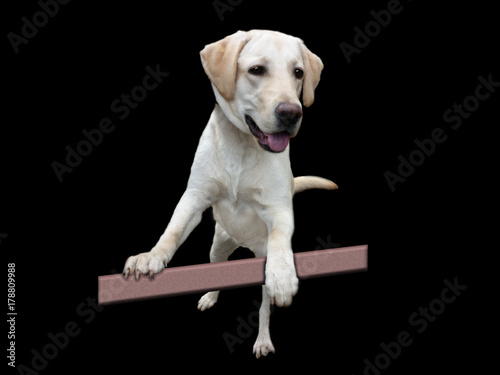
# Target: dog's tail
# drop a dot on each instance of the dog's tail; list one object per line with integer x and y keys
{"x": 312, "y": 182}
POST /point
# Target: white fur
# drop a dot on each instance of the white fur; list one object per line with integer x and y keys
{"x": 250, "y": 189}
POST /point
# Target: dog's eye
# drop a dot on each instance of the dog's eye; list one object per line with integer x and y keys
{"x": 257, "y": 70}
{"x": 299, "y": 73}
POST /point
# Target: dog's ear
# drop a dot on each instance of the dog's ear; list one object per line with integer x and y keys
{"x": 220, "y": 61}
{"x": 312, "y": 71}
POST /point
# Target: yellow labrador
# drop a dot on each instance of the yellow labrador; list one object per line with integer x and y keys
{"x": 242, "y": 167}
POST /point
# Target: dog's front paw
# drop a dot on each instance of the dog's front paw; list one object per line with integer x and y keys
{"x": 281, "y": 284}
{"x": 146, "y": 263}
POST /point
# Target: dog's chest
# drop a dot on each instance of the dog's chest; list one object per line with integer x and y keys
{"x": 236, "y": 209}
{"x": 240, "y": 220}
{"x": 235, "y": 181}
{"x": 241, "y": 192}
{"x": 240, "y": 176}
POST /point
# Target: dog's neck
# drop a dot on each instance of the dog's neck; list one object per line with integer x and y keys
{"x": 231, "y": 140}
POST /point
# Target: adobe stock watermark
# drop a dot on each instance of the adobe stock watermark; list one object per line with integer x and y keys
{"x": 247, "y": 327}
{"x": 222, "y": 7}
{"x": 418, "y": 322}
{"x": 31, "y": 26}
{"x": 86, "y": 312}
{"x": 311, "y": 264}
{"x": 363, "y": 37}
{"x": 453, "y": 117}
{"x": 122, "y": 108}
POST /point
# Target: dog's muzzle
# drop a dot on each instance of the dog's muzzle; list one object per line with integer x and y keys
{"x": 287, "y": 115}
{"x": 273, "y": 142}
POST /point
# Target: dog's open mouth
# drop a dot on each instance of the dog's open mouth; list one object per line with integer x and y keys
{"x": 275, "y": 142}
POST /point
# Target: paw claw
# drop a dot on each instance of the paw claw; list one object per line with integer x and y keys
{"x": 262, "y": 347}
{"x": 148, "y": 263}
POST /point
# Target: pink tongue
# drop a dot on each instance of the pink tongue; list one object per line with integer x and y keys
{"x": 278, "y": 141}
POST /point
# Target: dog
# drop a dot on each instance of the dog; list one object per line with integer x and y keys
{"x": 242, "y": 167}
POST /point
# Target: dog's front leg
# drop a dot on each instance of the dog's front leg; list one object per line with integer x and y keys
{"x": 185, "y": 218}
{"x": 281, "y": 278}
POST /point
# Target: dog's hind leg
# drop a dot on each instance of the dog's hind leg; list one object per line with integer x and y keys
{"x": 263, "y": 345}
{"x": 222, "y": 247}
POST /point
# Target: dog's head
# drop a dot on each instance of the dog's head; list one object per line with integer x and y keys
{"x": 257, "y": 77}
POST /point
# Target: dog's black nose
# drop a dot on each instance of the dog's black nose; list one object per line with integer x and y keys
{"x": 288, "y": 113}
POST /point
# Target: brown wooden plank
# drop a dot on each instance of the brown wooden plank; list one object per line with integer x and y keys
{"x": 231, "y": 274}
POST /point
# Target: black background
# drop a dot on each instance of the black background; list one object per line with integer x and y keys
{"x": 117, "y": 202}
